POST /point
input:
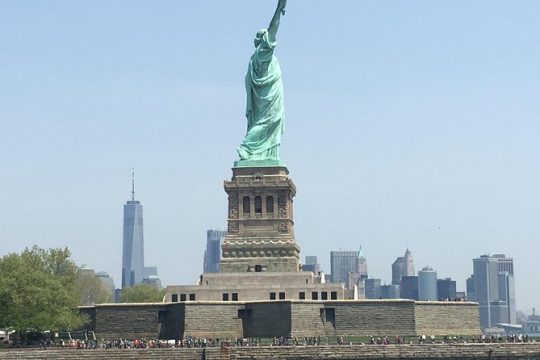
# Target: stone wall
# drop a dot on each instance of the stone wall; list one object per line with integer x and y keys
{"x": 373, "y": 317}
{"x": 447, "y": 318}
{"x": 528, "y": 351}
{"x": 267, "y": 319}
{"x": 353, "y": 318}
{"x": 132, "y": 321}
{"x": 306, "y": 320}
{"x": 217, "y": 320}
{"x": 173, "y": 323}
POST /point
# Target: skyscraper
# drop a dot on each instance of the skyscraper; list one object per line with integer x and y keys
{"x": 212, "y": 255}
{"x": 133, "y": 244}
{"x": 402, "y": 266}
{"x": 349, "y": 267}
{"x": 494, "y": 289}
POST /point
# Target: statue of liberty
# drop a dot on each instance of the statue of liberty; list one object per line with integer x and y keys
{"x": 264, "y": 111}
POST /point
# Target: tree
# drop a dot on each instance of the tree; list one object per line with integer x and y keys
{"x": 37, "y": 291}
{"x": 141, "y": 293}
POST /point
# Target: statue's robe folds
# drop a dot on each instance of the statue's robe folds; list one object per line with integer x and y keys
{"x": 264, "y": 112}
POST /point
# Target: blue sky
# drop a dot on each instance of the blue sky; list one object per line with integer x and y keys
{"x": 409, "y": 124}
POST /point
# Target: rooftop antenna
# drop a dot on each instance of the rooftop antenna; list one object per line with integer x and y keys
{"x": 132, "y": 184}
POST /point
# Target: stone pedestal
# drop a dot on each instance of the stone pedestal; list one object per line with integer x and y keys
{"x": 260, "y": 235}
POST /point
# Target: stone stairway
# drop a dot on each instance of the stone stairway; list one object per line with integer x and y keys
{"x": 528, "y": 351}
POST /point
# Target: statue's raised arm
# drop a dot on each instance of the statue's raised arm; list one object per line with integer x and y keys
{"x": 274, "y": 24}
{"x": 264, "y": 106}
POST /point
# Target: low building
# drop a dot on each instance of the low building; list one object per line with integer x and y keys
{"x": 532, "y": 326}
{"x": 372, "y": 288}
{"x": 446, "y": 289}
{"x": 253, "y": 286}
{"x": 390, "y": 292}
{"x": 268, "y": 319}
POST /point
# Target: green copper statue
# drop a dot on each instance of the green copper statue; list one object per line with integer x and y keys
{"x": 264, "y": 112}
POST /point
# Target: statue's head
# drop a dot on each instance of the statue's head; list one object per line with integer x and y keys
{"x": 259, "y": 36}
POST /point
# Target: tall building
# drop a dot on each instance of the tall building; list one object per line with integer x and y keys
{"x": 212, "y": 255}
{"x": 427, "y": 284}
{"x": 133, "y": 244}
{"x": 402, "y": 266}
{"x": 348, "y": 267}
{"x": 494, "y": 290}
{"x": 409, "y": 287}
{"x": 446, "y": 289}
{"x": 373, "y": 288}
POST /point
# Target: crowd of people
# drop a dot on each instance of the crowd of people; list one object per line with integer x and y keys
{"x": 201, "y": 342}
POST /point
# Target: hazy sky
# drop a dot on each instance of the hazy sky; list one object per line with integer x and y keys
{"x": 409, "y": 124}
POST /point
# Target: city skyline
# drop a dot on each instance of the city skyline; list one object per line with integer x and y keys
{"x": 422, "y": 117}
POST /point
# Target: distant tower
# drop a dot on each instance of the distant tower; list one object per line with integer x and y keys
{"x": 403, "y": 266}
{"x": 362, "y": 265}
{"x": 133, "y": 246}
{"x": 212, "y": 255}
